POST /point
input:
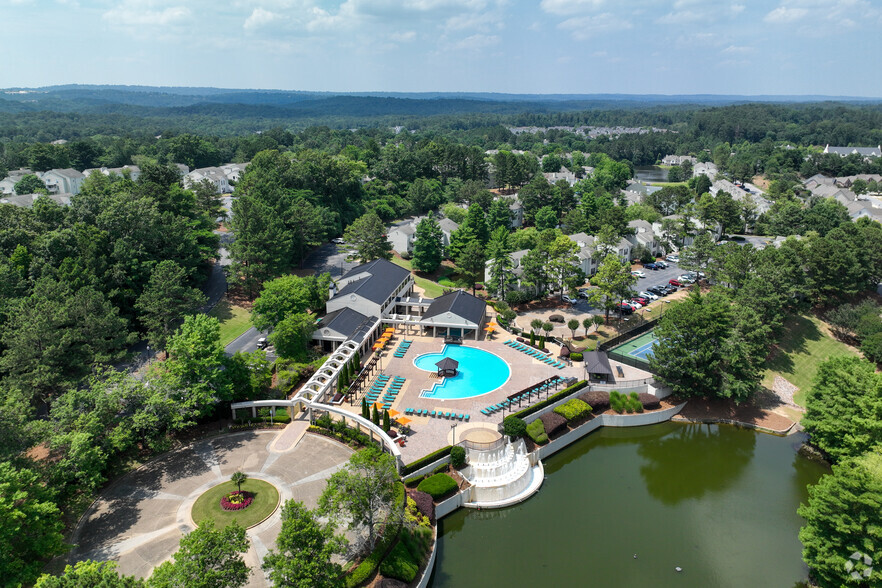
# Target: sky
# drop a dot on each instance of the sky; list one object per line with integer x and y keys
{"x": 745, "y": 47}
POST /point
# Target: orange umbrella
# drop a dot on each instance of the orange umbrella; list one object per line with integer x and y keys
{"x": 402, "y": 421}
{"x": 393, "y": 413}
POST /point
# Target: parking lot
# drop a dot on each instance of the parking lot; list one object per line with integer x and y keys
{"x": 657, "y": 277}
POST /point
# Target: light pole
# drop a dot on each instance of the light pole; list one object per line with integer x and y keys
{"x": 453, "y": 426}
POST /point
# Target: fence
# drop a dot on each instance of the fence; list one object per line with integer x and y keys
{"x": 630, "y": 360}
{"x": 627, "y": 336}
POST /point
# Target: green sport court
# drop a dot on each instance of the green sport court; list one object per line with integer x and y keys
{"x": 636, "y": 349}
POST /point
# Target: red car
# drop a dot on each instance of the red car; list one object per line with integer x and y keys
{"x": 676, "y": 283}
{"x": 641, "y": 300}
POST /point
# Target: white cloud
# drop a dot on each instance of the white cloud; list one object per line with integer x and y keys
{"x": 566, "y": 7}
{"x": 839, "y": 13}
{"x": 260, "y": 17}
{"x": 134, "y": 13}
{"x": 475, "y": 42}
{"x": 783, "y": 14}
{"x": 692, "y": 11}
{"x": 585, "y": 27}
{"x": 738, "y": 50}
{"x": 403, "y": 37}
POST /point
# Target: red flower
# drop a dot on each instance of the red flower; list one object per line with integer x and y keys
{"x": 236, "y": 500}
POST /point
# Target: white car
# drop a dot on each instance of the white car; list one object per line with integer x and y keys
{"x": 566, "y": 298}
{"x": 674, "y": 258}
{"x": 633, "y": 304}
{"x": 686, "y": 279}
{"x": 338, "y": 241}
{"x": 649, "y": 295}
{"x": 638, "y": 274}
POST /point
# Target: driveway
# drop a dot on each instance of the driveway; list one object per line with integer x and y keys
{"x": 139, "y": 520}
{"x": 247, "y": 341}
{"x": 330, "y": 258}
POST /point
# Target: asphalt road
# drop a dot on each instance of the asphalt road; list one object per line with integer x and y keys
{"x": 330, "y": 258}
{"x": 246, "y": 342}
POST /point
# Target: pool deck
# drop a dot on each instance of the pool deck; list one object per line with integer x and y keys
{"x": 430, "y": 434}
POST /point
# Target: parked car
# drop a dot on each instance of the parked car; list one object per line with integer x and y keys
{"x": 676, "y": 283}
{"x": 657, "y": 290}
{"x": 338, "y": 240}
{"x": 566, "y": 298}
{"x": 638, "y": 273}
{"x": 633, "y": 304}
{"x": 673, "y": 257}
{"x": 662, "y": 264}
{"x": 685, "y": 279}
{"x": 582, "y": 293}
{"x": 650, "y": 266}
{"x": 643, "y": 301}
{"x": 262, "y": 343}
{"x": 648, "y": 295}
{"x": 668, "y": 288}
{"x": 625, "y": 309}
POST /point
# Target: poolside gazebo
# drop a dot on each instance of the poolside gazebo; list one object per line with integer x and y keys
{"x": 597, "y": 366}
{"x": 447, "y": 367}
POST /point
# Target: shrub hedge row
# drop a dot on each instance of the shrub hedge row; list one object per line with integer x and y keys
{"x": 279, "y": 418}
{"x": 399, "y": 564}
{"x": 422, "y": 462}
{"x": 536, "y": 431}
{"x": 438, "y": 486}
{"x": 551, "y": 399}
{"x": 573, "y": 410}
{"x": 576, "y": 356}
{"x": 598, "y": 400}
{"x": 553, "y": 423}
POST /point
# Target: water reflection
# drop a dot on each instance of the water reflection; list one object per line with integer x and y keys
{"x": 690, "y": 461}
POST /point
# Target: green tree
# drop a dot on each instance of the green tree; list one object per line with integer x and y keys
{"x": 292, "y": 335}
{"x": 30, "y": 184}
{"x": 572, "y": 325}
{"x": 387, "y": 424}
{"x": 237, "y": 478}
{"x": 165, "y": 301}
{"x": 471, "y": 264}
{"x": 368, "y": 235}
{"x": 499, "y": 215}
{"x": 536, "y": 325}
{"x": 843, "y": 516}
{"x": 843, "y": 407}
{"x": 90, "y": 574}
{"x": 546, "y": 218}
{"x": 31, "y": 527}
{"x": 362, "y": 492}
{"x": 428, "y": 247}
{"x": 613, "y": 282}
{"x": 501, "y": 263}
{"x": 586, "y": 323}
{"x": 700, "y": 352}
{"x": 477, "y": 223}
{"x": 196, "y": 364}
{"x": 365, "y": 411}
{"x": 304, "y": 551}
{"x": 207, "y": 558}
{"x": 263, "y": 247}
{"x": 250, "y": 374}
{"x": 287, "y": 295}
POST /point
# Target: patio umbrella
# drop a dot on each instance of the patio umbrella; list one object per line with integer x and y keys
{"x": 393, "y": 413}
{"x": 402, "y": 421}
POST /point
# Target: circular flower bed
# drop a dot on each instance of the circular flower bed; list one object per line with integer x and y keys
{"x": 236, "y": 500}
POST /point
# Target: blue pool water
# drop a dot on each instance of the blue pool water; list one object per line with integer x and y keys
{"x": 479, "y": 372}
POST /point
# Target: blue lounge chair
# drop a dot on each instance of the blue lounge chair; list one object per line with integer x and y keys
{"x": 485, "y": 412}
{"x": 408, "y": 411}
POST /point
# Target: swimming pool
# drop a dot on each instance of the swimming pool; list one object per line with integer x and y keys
{"x": 479, "y": 372}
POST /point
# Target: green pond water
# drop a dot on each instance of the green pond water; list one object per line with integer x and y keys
{"x": 717, "y": 501}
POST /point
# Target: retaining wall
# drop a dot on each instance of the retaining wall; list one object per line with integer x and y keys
{"x": 428, "y": 469}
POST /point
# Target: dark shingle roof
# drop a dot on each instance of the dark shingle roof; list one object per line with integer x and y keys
{"x": 596, "y": 362}
{"x": 345, "y": 321}
{"x": 384, "y": 277}
{"x": 460, "y": 303}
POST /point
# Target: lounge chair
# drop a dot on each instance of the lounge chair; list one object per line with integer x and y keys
{"x": 408, "y": 411}
{"x": 485, "y": 412}
{"x": 466, "y": 418}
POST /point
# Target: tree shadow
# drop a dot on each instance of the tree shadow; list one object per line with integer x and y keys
{"x": 798, "y": 331}
{"x": 222, "y": 311}
{"x": 693, "y": 460}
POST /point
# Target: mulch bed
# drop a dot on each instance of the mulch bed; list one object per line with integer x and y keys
{"x": 703, "y": 409}
{"x": 543, "y": 304}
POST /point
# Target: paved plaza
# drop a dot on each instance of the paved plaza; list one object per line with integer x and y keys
{"x": 139, "y": 520}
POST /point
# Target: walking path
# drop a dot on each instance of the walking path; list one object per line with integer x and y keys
{"x": 139, "y": 520}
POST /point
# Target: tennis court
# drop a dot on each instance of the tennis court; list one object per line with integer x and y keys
{"x": 639, "y": 348}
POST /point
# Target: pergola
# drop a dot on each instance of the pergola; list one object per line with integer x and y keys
{"x": 447, "y": 367}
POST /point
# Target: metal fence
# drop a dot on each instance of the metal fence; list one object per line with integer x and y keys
{"x": 627, "y": 336}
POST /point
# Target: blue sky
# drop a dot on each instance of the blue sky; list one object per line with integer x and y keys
{"x": 550, "y": 46}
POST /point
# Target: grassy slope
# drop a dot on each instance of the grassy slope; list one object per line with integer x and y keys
{"x": 432, "y": 289}
{"x": 803, "y": 346}
{"x": 234, "y": 320}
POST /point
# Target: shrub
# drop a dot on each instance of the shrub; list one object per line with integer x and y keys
{"x": 551, "y": 399}
{"x": 425, "y": 504}
{"x": 617, "y": 401}
{"x": 457, "y": 456}
{"x": 441, "y": 468}
{"x": 598, "y": 400}
{"x": 536, "y": 431}
{"x": 634, "y": 404}
{"x": 514, "y": 297}
{"x": 413, "y": 517}
{"x": 575, "y": 356}
{"x": 418, "y": 541}
{"x": 513, "y": 426}
{"x": 574, "y": 409}
{"x": 422, "y": 462}
{"x": 556, "y": 318}
{"x": 622, "y": 403}
{"x": 871, "y": 347}
{"x": 399, "y": 564}
{"x": 438, "y": 486}
{"x": 553, "y": 423}
{"x": 649, "y": 401}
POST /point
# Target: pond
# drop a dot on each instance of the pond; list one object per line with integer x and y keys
{"x": 651, "y": 173}
{"x": 717, "y": 501}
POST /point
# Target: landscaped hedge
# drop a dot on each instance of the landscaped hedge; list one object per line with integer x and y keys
{"x": 623, "y": 403}
{"x": 438, "y": 486}
{"x": 282, "y": 419}
{"x": 536, "y": 431}
{"x": 553, "y": 423}
{"x": 556, "y": 318}
{"x": 349, "y": 437}
{"x": 576, "y": 356}
{"x": 424, "y": 461}
{"x": 513, "y": 426}
{"x": 368, "y": 566}
{"x": 649, "y": 401}
{"x": 551, "y": 400}
{"x": 399, "y": 564}
{"x": 425, "y": 504}
{"x": 574, "y": 410}
{"x": 598, "y": 400}
{"x": 457, "y": 456}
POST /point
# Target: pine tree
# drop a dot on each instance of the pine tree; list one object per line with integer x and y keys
{"x": 428, "y": 247}
{"x": 386, "y": 423}
{"x": 365, "y": 411}
{"x": 375, "y": 416}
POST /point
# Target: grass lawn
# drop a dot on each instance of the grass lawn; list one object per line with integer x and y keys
{"x": 804, "y": 345}
{"x": 663, "y": 184}
{"x": 432, "y": 289}
{"x": 207, "y": 506}
{"x": 234, "y": 320}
